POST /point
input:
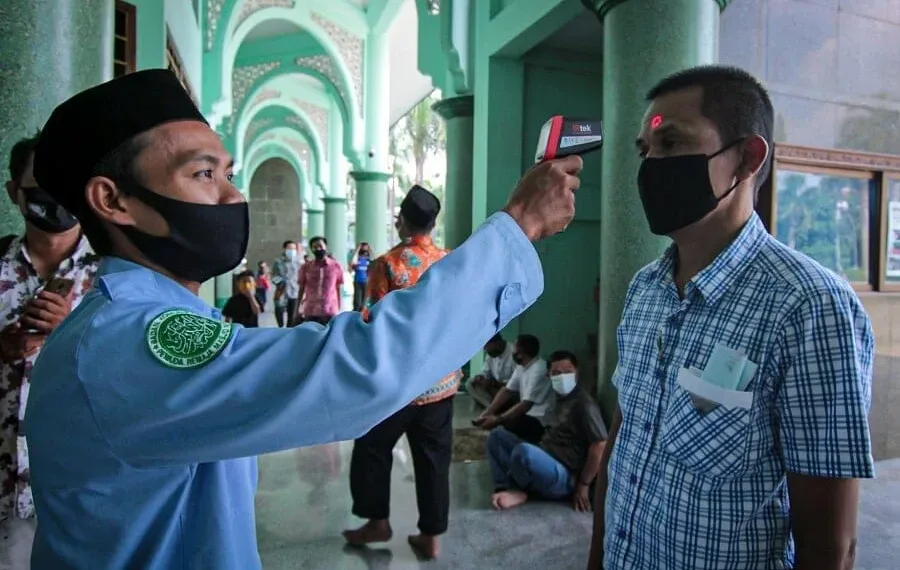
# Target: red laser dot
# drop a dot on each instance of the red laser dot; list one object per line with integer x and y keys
{"x": 656, "y": 121}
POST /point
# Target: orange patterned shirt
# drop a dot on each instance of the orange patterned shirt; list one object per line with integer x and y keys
{"x": 399, "y": 268}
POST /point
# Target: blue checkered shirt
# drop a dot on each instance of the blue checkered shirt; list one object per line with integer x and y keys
{"x": 689, "y": 490}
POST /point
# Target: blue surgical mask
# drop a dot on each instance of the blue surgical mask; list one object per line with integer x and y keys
{"x": 563, "y": 384}
{"x": 290, "y": 253}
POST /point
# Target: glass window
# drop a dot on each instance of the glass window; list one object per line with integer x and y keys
{"x": 802, "y": 45}
{"x": 827, "y": 217}
{"x": 868, "y": 57}
{"x": 892, "y": 232}
{"x": 804, "y": 122}
{"x": 742, "y": 36}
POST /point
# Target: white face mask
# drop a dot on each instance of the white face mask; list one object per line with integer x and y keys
{"x": 563, "y": 384}
{"x": 290, "y": 253}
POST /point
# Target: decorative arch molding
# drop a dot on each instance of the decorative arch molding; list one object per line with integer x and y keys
{"x": 300, "y": 15}
{"x": 252, "y": 125}
{"x": 275, "y": 149}
{"x": 291, "y": 137}
{"x": 262, "y": 91}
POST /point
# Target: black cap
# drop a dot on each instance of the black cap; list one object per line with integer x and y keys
{"x": 82, "y": 131}
{"x": 420, "y": 207}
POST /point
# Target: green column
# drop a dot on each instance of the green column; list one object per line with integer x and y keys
{"x": 315, "y": 223}
{"x": 49, "y": 50}
{"x": 457, "y": 113}
{"x": 371, "y": 209}
{"x": 336, "y": 227}
{"x": 684, "y": 33}
{"x": 223, "y": 284}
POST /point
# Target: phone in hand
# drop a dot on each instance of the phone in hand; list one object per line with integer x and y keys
{"x": 58, "y": 285}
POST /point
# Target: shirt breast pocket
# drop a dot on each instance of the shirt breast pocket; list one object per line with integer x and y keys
{"x": 708, "y": 444}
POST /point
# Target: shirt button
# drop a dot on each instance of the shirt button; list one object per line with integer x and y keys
{"x": 648, "y": 426}
{"x": 622, "y": 534}
{"x": 633, "y": 479}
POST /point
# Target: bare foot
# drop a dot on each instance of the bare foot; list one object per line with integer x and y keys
{"x": 372, "y": 531}
{"x": 424, "y": 545}
{"x": 503, "y": 500}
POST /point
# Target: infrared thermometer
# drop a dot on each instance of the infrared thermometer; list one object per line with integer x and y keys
{"x": 562, "y": 136}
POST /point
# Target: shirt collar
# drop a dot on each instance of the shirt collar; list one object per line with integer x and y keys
{"x": 726, "y": 269}
{"x": 123, "y": 279}
{"x": 420, "y": 240}
{"x": 19, "y": 250}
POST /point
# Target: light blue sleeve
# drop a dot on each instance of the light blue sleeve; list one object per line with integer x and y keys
{"x": 273, "y": 389}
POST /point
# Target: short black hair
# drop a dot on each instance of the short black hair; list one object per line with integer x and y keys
{"x": 314, "y": 239}
{"x": 529, "y": 344}
{"x": 563, "y": 355}
{"x": 287, "y": 243}
{"x": 733, "y": 99}
{"x": 416, "y": 228}
{"x": 495, "y": 339}
{"x": 245, "y": 275}
{"x": 118, "y": 166}
{"x": 20, "y": 154}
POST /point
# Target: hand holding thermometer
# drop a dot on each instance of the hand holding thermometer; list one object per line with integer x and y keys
{"x": 563, "y": 136}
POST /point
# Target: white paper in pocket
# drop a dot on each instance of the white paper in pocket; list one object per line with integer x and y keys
{"x": 713, "y": 394}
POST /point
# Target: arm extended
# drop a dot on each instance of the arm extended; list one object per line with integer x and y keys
{"x": 273, "y": 389}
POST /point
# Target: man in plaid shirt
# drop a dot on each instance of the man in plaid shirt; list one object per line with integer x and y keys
{"x": 745, "y": 368}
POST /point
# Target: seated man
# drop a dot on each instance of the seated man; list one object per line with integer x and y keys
{"x": 529, "y": 383}
{"x": 498, "y": 369}
{"x": 568, "y": 457}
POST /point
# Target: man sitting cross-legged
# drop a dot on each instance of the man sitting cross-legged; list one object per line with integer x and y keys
{"x": 567, "y": 459}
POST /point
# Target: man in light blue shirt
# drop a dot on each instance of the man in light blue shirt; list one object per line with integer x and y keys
{"x": 745, "y": 367}
{"x": 147, "y": 409}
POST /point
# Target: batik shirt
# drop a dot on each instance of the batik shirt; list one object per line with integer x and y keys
{"x": 318, "y": 282}
{"x": 19, "y": 283}
{"x": 399, "y": 268}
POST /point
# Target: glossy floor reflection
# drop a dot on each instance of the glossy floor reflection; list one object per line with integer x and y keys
{"x": 303, "y": 504}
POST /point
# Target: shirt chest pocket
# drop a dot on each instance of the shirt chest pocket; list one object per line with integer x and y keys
{"x": 709, "y": 444}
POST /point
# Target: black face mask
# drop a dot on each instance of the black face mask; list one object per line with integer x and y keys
{"x": 204, "y": 240}
{"x": 319, "y": 253}
{"x": 676, "y": 191}
{"x": 517, "y": 358}
{"x": 45, "y": 213}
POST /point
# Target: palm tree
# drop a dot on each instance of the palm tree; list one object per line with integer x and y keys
{"x": 425, "y": 131}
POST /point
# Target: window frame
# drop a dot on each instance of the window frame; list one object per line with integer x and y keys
{"x": 175, "y": 64}
{"x": 130, "y": 38}
{"x": 881, "y": 168}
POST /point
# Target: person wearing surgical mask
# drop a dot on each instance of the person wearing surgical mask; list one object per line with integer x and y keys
{"x": 148, "y": 410}
{"x": 52, "y": 247}
{"x": 567, "y": 459}
{"x": 744, "y": 377}
{"x": 285, "y": 273}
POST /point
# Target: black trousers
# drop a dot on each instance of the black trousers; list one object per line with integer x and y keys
{"x": 429, "y": 429}
{"x": 526, "y": 428}
{"x": 288, "y": 311}
{"x": 359, "y": 295}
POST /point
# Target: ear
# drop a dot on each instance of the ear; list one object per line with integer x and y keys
{"x": 107, "y": 202}
{"x": 755, "y": 152}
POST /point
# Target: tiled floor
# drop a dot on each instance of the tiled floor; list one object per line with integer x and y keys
{"x": 303, "y": 504}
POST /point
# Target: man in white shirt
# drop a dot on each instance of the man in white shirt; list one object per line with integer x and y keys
{"x": 532, "y": 386}
{"x": 498, "y": 370}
